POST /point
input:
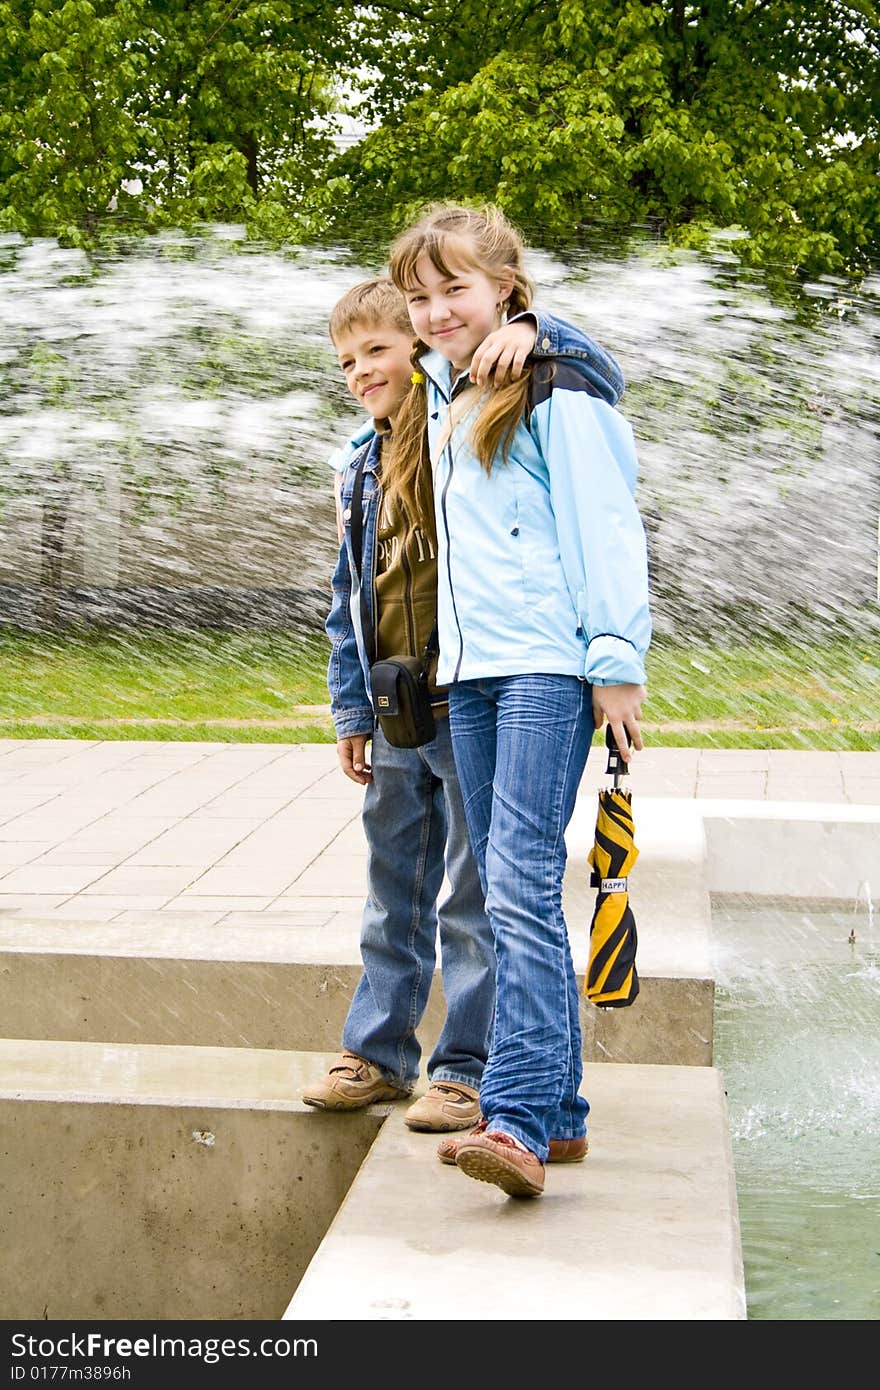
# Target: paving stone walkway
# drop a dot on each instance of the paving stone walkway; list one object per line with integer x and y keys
{"x": 115, "y": 831}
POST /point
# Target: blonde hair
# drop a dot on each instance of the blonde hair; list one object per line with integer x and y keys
{"x": 376, "y": 301}
{"x": 454, "y": 237}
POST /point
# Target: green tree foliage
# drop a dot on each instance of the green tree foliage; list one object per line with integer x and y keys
{"x": 754, "y": 115}
{"x": 167, "y": 111}
{"x": 760, "y": 115}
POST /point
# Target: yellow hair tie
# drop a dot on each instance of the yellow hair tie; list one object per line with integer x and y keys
{"x": 417, "y": 379}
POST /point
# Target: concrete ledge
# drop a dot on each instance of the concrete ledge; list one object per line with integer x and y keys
{"x": 287, "y": 983}
{"x": 166, "y": 1183}
{"x": 788, "y": 850}
{"x": 645, "y": 1229}
{"x": 89, "y": 997}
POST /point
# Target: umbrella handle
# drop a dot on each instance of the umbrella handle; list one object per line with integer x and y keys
{"x": 616, "y": 763}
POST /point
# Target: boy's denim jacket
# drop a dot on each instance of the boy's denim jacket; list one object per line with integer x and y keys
{"x": 348, "y": 678}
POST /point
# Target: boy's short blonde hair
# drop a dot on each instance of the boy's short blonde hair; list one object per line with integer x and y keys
{"x": 377, "y": 301}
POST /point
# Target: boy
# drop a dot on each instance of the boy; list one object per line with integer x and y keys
{"x": 413, "y": 818}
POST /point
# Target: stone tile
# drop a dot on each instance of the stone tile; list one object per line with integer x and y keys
{"x": 15, "y": 802}
{"x": 328, "y": 813}
{"x": 750, "y": 786}
{"x": 812, "y": 760}
{"x": 336, "y": 903}
{"x": 43, "y": 826}
{"x": 203, "y": 902}
{"x": 863, "y": 764}
{"x": 246, "y": 806}
{"x": 296, "y": 917}
{"x": 124, "y": 902}
{"x": 860, "y": 792}
{"x": 331, "y": 872}
{"x": 659, "y": 783}
{"x": 258, "y": 879}
{"x": 14, "y": 852}
{"x": 800, "y": 789}
{"x": 281, "y": 847}
{"x": 60, "y": 854}
{"x": 733, "y": 760}
{"x": 42, "y": 752}
{"x": 136, "y": 880}
{"x": 133, "y": 917}
{"x": 351, "y": 839}
{"x": 34, "y": 903}
{"x": 51, "y": 878}
{"x": 197, "y": 841}
{"x": 78, "y": 910}
{"x": 121, "y": 832}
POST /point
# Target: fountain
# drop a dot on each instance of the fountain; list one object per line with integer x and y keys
{"x": 159, "y": 401}
{"x": 864, "y": 888}
{"x": 797, "y": 1040}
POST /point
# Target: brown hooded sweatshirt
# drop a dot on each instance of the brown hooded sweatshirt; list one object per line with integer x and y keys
{"x": 406, "y": 591}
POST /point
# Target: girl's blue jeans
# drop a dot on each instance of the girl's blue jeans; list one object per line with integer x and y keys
{"x": 521, "y": 745}
{"x": 415, "y": 829}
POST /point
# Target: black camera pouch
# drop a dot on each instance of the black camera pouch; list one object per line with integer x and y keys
{"x": 402, "y": 702}
{"x": 401, "y": 694}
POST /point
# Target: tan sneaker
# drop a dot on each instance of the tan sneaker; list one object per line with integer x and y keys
{"x": 445, "y": 1105}
{"x": 493, "y": 1156}
{"x": 561, "y": 1150}
{"x": 350, "y": 1085}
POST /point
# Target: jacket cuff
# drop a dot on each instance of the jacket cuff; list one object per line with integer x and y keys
{"x": 613, "y": 661}
{"x": 349, "y": 722}
{"x": 547, "y": 340}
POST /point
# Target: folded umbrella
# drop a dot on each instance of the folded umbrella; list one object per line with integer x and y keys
{"x": 611, "y": 980}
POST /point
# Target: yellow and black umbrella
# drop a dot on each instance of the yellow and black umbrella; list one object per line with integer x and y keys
{"x": 611, "y": 979}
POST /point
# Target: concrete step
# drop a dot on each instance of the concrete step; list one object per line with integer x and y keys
{"x": 191, "y": 1183}
{"x": 164, "y": 1182}
{"x": 645, "y": 1229}
{"x": 285, "y": 981}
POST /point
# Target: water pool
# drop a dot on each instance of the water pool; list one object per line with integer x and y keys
{"x": 797, "y": 1040}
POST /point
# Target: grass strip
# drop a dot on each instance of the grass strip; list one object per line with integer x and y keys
{"x": 270, "y": 687}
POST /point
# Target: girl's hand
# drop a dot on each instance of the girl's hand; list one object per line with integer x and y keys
{"x": 503, "y": 354}
{"x": 621, "y": 705}
{"x": 352, "y": 754}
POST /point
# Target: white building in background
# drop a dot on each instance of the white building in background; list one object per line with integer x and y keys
{"x": 350, "y": 130}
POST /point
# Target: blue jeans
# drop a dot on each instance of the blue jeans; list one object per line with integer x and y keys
{"x": 521, "y": 745}
{"x": 415, "y": 830}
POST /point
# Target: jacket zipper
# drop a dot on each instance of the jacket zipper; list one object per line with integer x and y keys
{"x": 447, "y": 452}
{"x": 409, "y": 615}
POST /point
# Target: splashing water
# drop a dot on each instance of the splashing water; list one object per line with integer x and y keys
{"x": 797, "y": 1040}
{"x": 864, "y": 890}
{"x": 168, "y": 413}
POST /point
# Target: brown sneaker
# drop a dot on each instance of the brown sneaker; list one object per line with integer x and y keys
{"x": 350, "y": 1085}
{"x": 445, "y": 1105}
{"x": 495, "y": 1157}
{"x": 561, "y": 1150}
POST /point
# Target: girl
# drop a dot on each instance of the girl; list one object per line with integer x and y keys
{"x": 544, "y": 624}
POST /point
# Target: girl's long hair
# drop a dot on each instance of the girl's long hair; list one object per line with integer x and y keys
{"x": 455, "y": 238}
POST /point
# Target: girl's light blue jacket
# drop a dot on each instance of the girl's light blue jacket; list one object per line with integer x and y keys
{"x": 542, "y": 563}
{"x": 515, "y": 602}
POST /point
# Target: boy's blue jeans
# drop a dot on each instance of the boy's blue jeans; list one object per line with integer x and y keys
{"x": 415, "y": 828}
{"x": 521, "y": 745}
